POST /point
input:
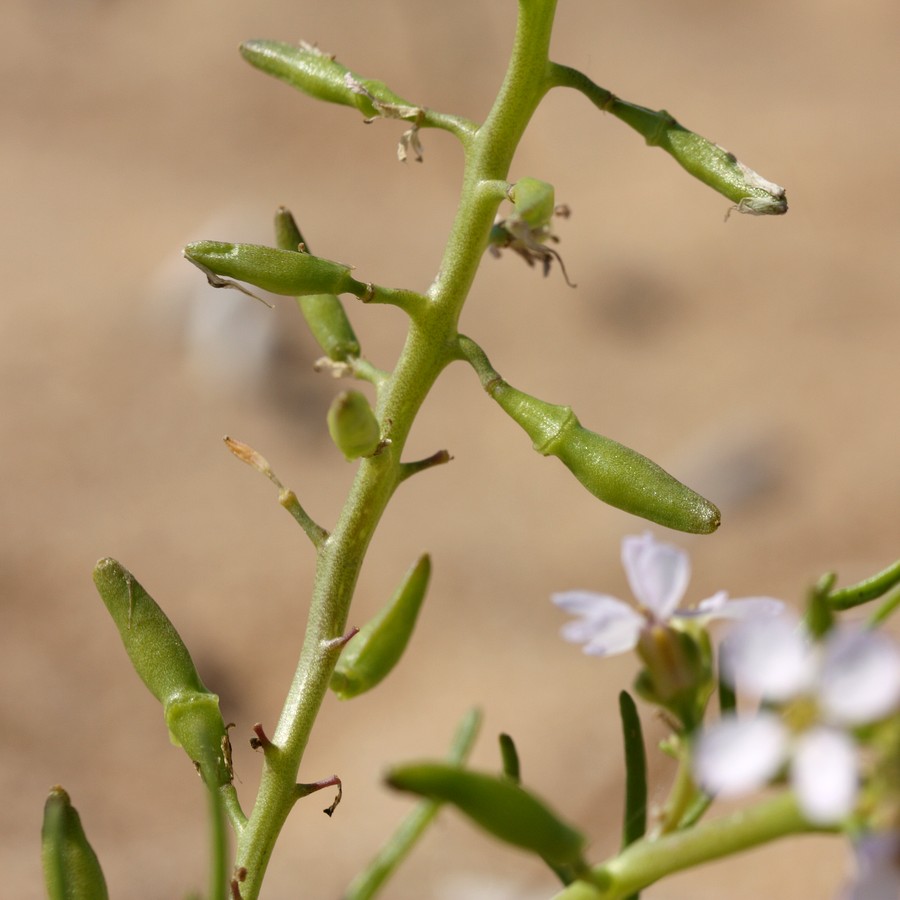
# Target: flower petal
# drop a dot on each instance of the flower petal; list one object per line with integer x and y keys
{"x": 720, "y": 607}
{"x": 615, "y": 636}
{"x": 877, "y": 868}
{"x": 606, "y": 621}
{"x": 768, "y": 657}
{"x": 658, "y": 573}
{"x": 824, "y": 776}
{"x": 586, "y": 603}
{"x": 860, "y": 680}
{"x": 737, "y": 755}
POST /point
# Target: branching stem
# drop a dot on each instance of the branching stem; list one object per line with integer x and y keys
{"x": 431, "y": 344}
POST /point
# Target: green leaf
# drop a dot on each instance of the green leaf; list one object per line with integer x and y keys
{"x": 634, "y": 824}
{"x": 510, "y": 757}
{"x": 503, "y": 808}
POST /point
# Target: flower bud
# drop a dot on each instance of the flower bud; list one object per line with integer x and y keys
{"x": 162, "y": 661}
{"x": 321, "y": 76}
{"x": 324, "y": 313}
{"x": 373, "y": 652}
{"x": 498, "y": 805}
{"x": 534, "y": 202}
{"x": 279, "y": 271}
{"x": 71, "y": 868}
{"x": 353, "y": 426}
{"x": 676, "y": 675}
{"x": 612, "y": 472}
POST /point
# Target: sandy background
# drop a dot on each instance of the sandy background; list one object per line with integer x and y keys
{"x": 757, "y": 359}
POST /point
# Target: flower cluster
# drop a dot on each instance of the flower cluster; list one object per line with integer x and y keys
{"x": 820, "y": 698}
{"x": 815, "y": 694}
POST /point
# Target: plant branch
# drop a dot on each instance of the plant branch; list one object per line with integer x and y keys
{"x": 646, "y": 861}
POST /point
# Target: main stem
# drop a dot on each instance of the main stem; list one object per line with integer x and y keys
{"x": 431, "y": 344}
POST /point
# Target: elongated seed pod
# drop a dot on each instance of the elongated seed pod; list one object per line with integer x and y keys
{"x": 71, "y": 868}
{"x": 706, "y": 161}
{"x": 612, "y": 472}
{"x": 324, "y": 313}
{"x": 319, "y": 75}
{"x": 352, "y": 425}
{"x": 286, "y": 272}
{"x": 162, "y": 661}
{"x": 373, "y": 652}
{"x": 498, "y": 805}
{"x": 710, "y": 163}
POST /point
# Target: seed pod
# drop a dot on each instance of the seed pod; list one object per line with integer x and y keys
{"x": 319, "y": 75}
{"x": 374, "y": 651}
{"x": 162, "y": 661}
{"x": 286, "y": 272}
{"x": 534, "y": 202}
{"x": 710, "y": 163}
{"x": 612, "y": 472}
{"x": 498, "y": 805}
{"x": 723, "y": 171}
{"x": 71, "y": 868}
{"x": 324, "y": 313}
{"x": 353, "y": 426}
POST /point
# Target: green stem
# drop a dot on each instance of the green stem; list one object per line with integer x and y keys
{"x": 401, "y": 842}
{"x": 683, "y": 793}
{"x": 646, "y": 861}
{"x": 461, "y": 128}
{"x": 887, "y": 607}
{"x": 866, "y": 590}
{"x": 218, "y": 868}
{"x": 430, "y": 345}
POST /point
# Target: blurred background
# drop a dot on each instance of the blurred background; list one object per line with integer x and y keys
{"x": 757, "y": 360}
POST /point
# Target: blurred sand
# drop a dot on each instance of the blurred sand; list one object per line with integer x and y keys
{"x": 756, "y": 359}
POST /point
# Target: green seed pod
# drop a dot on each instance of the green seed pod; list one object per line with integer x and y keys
{"x": 498, "y": 805}
{"x": 612, "y": 472}
{"x": 706, "y": 161}
{"x": 324, "y": 313}
{"x": 286, "y": 272}
{"x": 534, "y": 202}
{"x": 353, "y": 426}
{"x": 321, "y": 76}
{"x": 372, "y": 653}
{"x": 162, "y": 661}
{"x": 71, "y": 868}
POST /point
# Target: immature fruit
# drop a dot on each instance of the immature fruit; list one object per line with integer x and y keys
{"x": 162, "y": 661}
{"x": 373, "y": 652}
{"x": 71, "y": 868}
{"x": 613, "y": 473}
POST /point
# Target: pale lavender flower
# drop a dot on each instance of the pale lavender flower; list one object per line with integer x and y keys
{"x": 850, "y": 679}
{"x": 658, "y": 574}
{"x": 877, "y": 874}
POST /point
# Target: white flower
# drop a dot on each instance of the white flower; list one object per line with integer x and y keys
{"x": 658, "y": 574}
{"x": 851, "y": 679}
